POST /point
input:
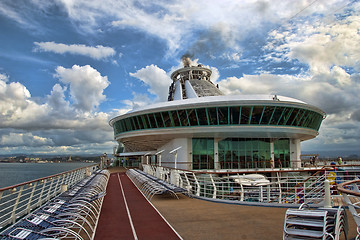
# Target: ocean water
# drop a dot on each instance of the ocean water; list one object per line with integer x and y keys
{"x": 15, "y": 173}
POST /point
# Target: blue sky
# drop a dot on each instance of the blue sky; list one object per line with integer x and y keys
{"x": 68, "y": 66}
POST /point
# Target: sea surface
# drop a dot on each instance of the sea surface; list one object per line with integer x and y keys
{"x": 15, "y": 173}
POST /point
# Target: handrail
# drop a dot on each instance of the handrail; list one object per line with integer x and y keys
{"x": 258, "y": 170}
{"x": 341, "y": 188}
{"x": 300, "y": 184}
{"x": 40, "y": 179}
{"x": 21, "y": 199}
{"x": 283, "y": 186}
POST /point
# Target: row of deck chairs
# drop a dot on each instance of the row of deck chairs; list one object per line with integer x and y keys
{"x": 150, "y": 185}
{"x": 321, "y": 223}
{"x": 71, "y": 215}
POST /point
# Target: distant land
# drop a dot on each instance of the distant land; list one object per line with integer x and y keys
{"x": 22, "y": 157}
{"x": 49, "y": 158}
{"x": 351, "y": 155}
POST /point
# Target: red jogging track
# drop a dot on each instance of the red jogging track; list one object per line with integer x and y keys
{"x": 129, "y": 215}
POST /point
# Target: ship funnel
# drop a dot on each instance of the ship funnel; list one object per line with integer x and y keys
{"x": 191, "y": 81}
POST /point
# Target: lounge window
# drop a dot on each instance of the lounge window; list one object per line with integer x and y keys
{"x": 175, "y": 118}
{"x": 234, "y": 115}
{"x": 276, "y": 115}
{"x": 183, "y": 117}
{"x": 256, "y": 115}
{"x": 159, "y": 120}
{"x": 212, "y": 113}
{"x": 223, "y": 115}
{"x": 202, "y": 116}
{"x": 245, "y": 115}
{"x": 192, "y": 117}
{"x": 167, "y": 119}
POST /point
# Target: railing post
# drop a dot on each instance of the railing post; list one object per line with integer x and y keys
{"x": 213, "y": 183}
{"x": 56, "y": 191}
{"x": 188, "y": 187}
{"x": 13, "y": 214}
{"x": 88, "y": 173}
{"x": 158, "y": 173}
{"x": 242, "y": 193}
{"x": 42, "y": 191}
{"x": 66, "y": 179}
{"x": 49, "y": 191}
{"x": 327, "y": 197}
{"x": 197, "y": 185}
{"x": 174, "y": 177}
{"x": 28, "y": 207}
{"x": 280, "y": 190}
{"x": 71, "y": 178}
{"x": 1, "y": 193}
{"x": 64, "y": 188}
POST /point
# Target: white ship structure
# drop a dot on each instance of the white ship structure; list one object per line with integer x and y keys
{"x": 213, "y": 131}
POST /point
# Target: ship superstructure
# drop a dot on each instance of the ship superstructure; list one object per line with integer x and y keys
{"x": 210, "y": 130}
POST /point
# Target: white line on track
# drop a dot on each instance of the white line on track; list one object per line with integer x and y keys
{"x": 177, "y": 234}
{"x": 127, "y": 209}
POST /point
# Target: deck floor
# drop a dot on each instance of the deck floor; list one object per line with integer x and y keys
{"x": 127, "y": 214}
{"x": 193, "y": 219}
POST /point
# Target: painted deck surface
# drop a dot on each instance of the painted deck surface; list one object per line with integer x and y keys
{"x": 193, "y": 219}
{"x": 126, "y": 214}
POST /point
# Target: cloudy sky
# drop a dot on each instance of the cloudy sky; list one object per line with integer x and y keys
{"x": 68, "y": 66}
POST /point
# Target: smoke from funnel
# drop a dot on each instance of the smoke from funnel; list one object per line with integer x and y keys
{"x": 186, "y": 59}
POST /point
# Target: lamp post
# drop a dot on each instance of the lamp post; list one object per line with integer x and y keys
{"x": 174, "y": 151}
{"x": 147, "y": 158}
{"x": 173, "y": 174}
{"x": 159, "y": 153}
{"x": 158, "y": 169}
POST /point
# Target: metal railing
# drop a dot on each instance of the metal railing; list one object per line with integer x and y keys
{"x": 19, "y": 200}
{"x": 267, "y": 186}
{"x": 351, "y": 193}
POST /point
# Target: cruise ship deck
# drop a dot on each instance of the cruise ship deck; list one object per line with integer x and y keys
{"x": 127, "y": 214}
{"x": 185, "y": 218}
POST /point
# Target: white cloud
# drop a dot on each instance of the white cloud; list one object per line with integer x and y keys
{"x": 14, "y": 100}
{"x": 86, "y": 85}
{"x": 55, "y": 121}
{"x": 178, "y": 23}
{"x": 215, "y": 75}
{"x": 156, "y": 78}
{"x": 138, "y": 100}
{"x": 24, "y": 139}
{"x": 18, "y": 110}
{"x": 334, "y": 92}
{"x": 175, "y": 22}
{"x": 320, "y": 45}
{"x": 57, "y": 100}
{"x": 3, "y": 77}
{"x": 99, "y": 52}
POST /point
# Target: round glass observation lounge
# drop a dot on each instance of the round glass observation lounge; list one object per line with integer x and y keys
{"x": 200, "y": 128}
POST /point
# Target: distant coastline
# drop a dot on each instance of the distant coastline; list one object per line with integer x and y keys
{"x": 49, "y": 159}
